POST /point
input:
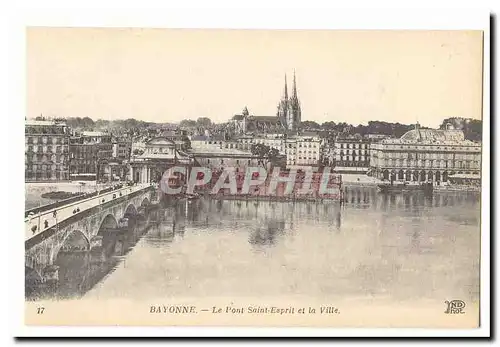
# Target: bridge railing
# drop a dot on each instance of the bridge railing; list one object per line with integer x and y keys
{"x": 44, "y": 220}
{"x": 64, "y": 202}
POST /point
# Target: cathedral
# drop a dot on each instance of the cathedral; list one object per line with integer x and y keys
{"x": 287, "y": 118}
{"x": 289, "y": 113}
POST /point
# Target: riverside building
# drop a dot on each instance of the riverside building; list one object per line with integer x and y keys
{"x": 46, "y": 151}
{"x": 425, "y": 155}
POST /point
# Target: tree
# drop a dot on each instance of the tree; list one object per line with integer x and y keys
{"x": 309, "y": 125}
{"x": 204, "y": 122}
{"x": 265, "y": 152}
{"x": 328, "y": 125}
{"x": 188, "y": 123}
{"x": 87, "y": 123}
{"x": 472, "y": 128}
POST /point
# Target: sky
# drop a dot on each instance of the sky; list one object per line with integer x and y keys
{"x": 167, "y": 75}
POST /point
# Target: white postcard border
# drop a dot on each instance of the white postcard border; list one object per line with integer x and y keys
{"x": 96, "y": 14}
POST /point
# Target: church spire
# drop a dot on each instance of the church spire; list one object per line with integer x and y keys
{"x": 294, "y": 92}
{"x": 285, "y": 96}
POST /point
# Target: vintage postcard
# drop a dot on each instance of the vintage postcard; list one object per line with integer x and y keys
{"x": 254, "y": 178}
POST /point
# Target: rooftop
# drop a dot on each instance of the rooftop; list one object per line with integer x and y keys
{"x": 433, "y": 135}
{"x": 95, "y": 133}
{"x": 207, "y": 138}
{"x": 270, "y": 119}
{"x": 32, "y": 122}
{"x": 222, "y": 151}
{"x": 156, "y": 156}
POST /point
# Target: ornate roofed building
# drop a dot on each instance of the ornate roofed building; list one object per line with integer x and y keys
{"x": 433, "y": 135}
{"x": 425, "y": 155}
{"x": 245, "y": 123}
{"x": 160, "y": 154}
{"x": 288, "y": 116}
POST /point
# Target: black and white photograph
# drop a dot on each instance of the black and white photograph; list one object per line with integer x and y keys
{"x": 254, "y": 177}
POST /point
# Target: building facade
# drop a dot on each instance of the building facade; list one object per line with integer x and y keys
{"x": 307, "y": 150}
{"x": 351, "y": 154}
{"x": 90, "y": 155}
{"x": 207, "y": 143}
{"x": 46, "y": 151}
{"x": 121, "y": 149}
{"x": 425, "y": 155}
{"x": 159, "y": 155}
{"x": 220, "y": 159}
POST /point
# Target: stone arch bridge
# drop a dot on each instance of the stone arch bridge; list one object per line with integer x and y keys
{"x": 83, "y": 230}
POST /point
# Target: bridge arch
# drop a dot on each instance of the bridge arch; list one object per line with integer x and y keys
{"x": 108, "y": 222}
{"x": 131, "y": 210}
{"x": 75, "y": 240}
{"x": 145, "y": 202}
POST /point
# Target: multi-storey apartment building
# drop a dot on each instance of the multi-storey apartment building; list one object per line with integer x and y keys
{"x": 308, "y": 150}
{"x": 90, "y": 154}
{"x": 352, "y": 154}
{"x": 299, "y": 150}
{"x": 425, "y": 155}
{"x": 46, "y": 150}
{"x": 272, "y": 140}
{"x": 207, "y": 143}
{"x": 121, "y": 149}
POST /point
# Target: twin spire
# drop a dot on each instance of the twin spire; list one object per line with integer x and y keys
{"x": 294, "y": 90}
{"x": 289, "y": 112}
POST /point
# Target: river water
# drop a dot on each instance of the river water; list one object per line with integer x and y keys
{"x": 401, "y": 247}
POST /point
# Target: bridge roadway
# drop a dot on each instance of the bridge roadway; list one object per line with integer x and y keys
{"x": 35, "y": 224}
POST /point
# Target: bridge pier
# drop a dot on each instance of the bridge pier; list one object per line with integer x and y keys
{"x": 96, "y": 242}
{"x": 113, "y": 219}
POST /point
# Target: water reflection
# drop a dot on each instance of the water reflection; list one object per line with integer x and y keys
{"x": 267, "y": 232}
{"x": 80, "y": 269}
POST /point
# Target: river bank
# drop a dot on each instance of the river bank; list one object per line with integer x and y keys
{"x": 355, "y": 180}
{"x": 275, "y": 198}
